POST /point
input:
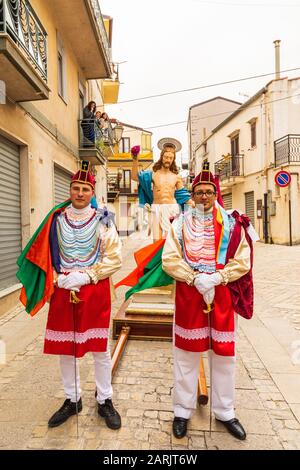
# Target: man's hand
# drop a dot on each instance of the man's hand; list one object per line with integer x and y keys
{"x": 204, "y": 282}
{"x": 191, "y": 203}
{"x": 209, "y": 296}
{"x": 73, "y": 281}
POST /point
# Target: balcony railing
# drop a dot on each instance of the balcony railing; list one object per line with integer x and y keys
{"x": 102, "y": 30}
{"x": 116, "y": 184}
{"x": 287, "y": 150}
{"x": 20, "y": 22}
{"x": 230, "y": 167}
{"x": 91, "y": 135}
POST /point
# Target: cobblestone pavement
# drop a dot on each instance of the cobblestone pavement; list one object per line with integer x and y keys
{"x": 267, "y": 389}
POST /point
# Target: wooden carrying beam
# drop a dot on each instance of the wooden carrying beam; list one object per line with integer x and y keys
{"x": 119, "y": 347}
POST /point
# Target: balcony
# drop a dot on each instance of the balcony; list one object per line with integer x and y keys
{"x": 95, "y": 144}
{"x": 82, "y": 24}
{"x": 230, "y": 170}
{"x": 287, "y": 150}
{"x": 113, "y": 189}
{"x": 23, "y": 52}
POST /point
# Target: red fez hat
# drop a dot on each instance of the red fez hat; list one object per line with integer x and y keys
{"x": 84, "y": 175}
{"x": 206, "y": 177}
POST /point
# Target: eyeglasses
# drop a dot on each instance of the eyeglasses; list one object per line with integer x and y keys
{"x": 204, "y": 193}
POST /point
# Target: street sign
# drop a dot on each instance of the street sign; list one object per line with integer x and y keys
{"x": 282, "y": 178}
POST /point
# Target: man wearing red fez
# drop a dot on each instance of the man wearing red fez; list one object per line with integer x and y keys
{"x": 209, "y": 253}
{"x": 76, "y": 249}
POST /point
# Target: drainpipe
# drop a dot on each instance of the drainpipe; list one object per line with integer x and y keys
{"x": 293, "y": 173}
{"x": 264, "y": 166}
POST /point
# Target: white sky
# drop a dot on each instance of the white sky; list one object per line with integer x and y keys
{"x": 176, "y": 44}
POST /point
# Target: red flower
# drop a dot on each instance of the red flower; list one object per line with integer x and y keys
{"x": 135, "y": 150}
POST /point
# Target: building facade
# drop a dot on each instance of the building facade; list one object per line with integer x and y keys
{"x": 54, "y": 57}
{"x": 202, "y": 119}
{"x": 248, "y": 149}
{"x": 122, "y": 190}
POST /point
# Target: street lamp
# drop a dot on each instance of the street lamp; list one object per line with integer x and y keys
{"x": 118, "y": 132}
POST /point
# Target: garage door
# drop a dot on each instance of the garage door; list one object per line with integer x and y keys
{"x": 227, "y": 199}
{"x": 10, "y": 212}
{"x": 249, "y": 205}
{"x": 61, "y": 185}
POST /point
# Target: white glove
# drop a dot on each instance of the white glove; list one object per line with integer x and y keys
{"x": 209, "y": 296}
{"x": 61, "y": 281}
{"x": 73, "y": 281}
{"x": 204, "y": 282}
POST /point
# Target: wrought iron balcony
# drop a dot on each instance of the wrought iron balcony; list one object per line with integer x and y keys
{"x": 23, "y": 51}
{"x": 113, "y": 187}
{"x": 18, "y": 19}
{"x": 230, "y": 169}
{"x": 95, "y": 143}
{"x": 287, "y": 150}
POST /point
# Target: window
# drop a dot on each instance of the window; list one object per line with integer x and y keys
{"x": 253, "y": 134}
{"x": 125, "y": 181}
{"x": 125, "y": 145}
{"x": 235, "y": 155}
{"x": 235, "y": 145}
{"x": 61, "y": 70}
{"x": 81, "y": 104}
{"x": 60, "y": 75}
{"x": 146, "y": 142}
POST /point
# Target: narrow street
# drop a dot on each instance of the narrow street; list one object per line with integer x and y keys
{"x": 268, "y": 377}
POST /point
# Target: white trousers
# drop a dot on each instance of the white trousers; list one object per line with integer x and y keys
{"x": 186, "y": 372}
{"x": 102, "y": 364}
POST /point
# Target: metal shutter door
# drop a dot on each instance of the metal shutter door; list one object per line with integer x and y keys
{"x": 249, "y": 204}
{"x": 227, "y": 200}
{"x": 61, "y": 185}
{"x": 10, "y": 212}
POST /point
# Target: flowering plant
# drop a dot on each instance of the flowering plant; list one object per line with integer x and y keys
{"x": 135, "y": 150}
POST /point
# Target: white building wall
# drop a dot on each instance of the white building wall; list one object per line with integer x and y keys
{"x": 277, "y": 114}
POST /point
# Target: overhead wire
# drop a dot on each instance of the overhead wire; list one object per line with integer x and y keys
{"x": 202, "y": 87}
{"x": 216, "y": 114}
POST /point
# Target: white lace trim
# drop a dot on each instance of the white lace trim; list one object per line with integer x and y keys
{"x": 63, "y": 336}
{"x": 202, "y": 333}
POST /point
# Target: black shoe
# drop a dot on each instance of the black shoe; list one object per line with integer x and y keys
{"x": 235, "y": 428}
{"x": 68, "y": 409}
{"x": 112, "y": 417}
{"x": 179, "y": 427}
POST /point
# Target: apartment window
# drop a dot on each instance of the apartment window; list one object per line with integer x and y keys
{"x": 253, "y": 134}
{"x": 126, "y": 182}
{"x": 235, "y": 150}
{"x": 125, "y": 145}
{"x": 61, "y": 70}
{"x": 146, "y": 142}
{"x": 81, "y": 104}
{"x": 60, "y": 75}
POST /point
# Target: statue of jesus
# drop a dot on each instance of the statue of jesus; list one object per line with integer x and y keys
{"x": 162, "y": 188}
